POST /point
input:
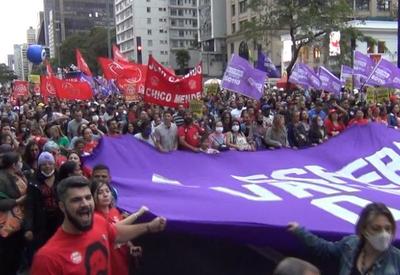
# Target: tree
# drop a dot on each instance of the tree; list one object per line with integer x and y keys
{"x": 6, "y": 75}
{"x": 305, "y": 21}
{"x": 92, "y": 46}
{"x": 182, "y": 59}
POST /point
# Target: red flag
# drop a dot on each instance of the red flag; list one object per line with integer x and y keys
{"x": 49, "y": 69}
{"x": 116, "y": 70}
{"x": 47, "y": 87}
{"x": 81, "y": 63}
{"x": 165, "y": 89}
{"x": 73, "y": 90}
{"x": 118, "y": 56}
{"x": 20, "y": 88}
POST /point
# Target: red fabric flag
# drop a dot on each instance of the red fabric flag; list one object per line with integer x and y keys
{"x": 47, "y": 87}
{"x": 73, "y": 90}
{"x": 116, "y": 70}
{"x": 20, "y": 88}
{"x": 81, "y": 63}
{"x": 49, "y": 69}
{"x": 165, "y": 89}
{"x": 118, "y": 56}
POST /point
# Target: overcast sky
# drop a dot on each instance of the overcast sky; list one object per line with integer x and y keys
{"x": 16, "y": 16}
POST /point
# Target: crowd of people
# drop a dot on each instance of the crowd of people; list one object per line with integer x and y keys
{"x": 42, "y": 145}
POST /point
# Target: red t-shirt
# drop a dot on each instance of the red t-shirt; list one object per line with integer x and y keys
{"x": 331, "y": 127}
{"x": 191, "y": 134}
{"x": 119, "y": 255}
{"x": 89, "y": 146}
{"x": 85, "y": 253}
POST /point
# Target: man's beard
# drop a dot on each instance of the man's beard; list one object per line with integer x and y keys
{"x": 75, "y": 222}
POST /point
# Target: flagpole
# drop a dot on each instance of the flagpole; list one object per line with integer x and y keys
{"x": 369, "y": 77}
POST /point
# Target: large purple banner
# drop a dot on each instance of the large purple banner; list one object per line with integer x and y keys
{"x": 252, "y": 196}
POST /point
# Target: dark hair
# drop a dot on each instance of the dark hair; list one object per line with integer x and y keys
{"x": 370, "y": 211}
{"x": 169, "y": 111}
{"x": 292, "y": 266}
{"x": 27, "y": 156}
{"x": 109, "y": 122}
{"x": 101, "y": 167}
{"x": 96, "y": 185}
{"x": 9, "y": 159}
{"x": 67, "y": 169}
{"x": 70, "y": 182}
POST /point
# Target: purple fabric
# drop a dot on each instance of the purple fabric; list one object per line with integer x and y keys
{"x": 242, "y": 78}
{"x": 329, "y": 82}
{"x": 252, "y": 196}
{"x": 345, "y": 73}
{"x": 265, "y": 64}
{"x": 363, "y": 67}
{"x": 386, "y": 74}
{"x": 305, "y": 76}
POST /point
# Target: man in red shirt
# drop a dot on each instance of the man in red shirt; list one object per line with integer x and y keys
{"x": 189, "y": 134}
{"x": 83, "y": 242}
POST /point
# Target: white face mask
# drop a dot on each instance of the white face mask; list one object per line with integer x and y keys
{"x": 219, "y": 130}
{"x": 20, "y": 165}
{"x": 320, "y": 123}
{"x": 380, "y": 241}
{"x": 235, "y": 128}
{"x": 47, "y": 175}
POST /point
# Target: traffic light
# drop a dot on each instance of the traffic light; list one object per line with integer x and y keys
{"x": 139, "y": 49}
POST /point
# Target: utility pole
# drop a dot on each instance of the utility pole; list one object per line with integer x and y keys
{"x": 108, "y": 28}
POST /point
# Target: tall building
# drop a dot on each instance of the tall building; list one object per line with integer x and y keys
{"x": 162, "y": 26}
{"x": 278, "y": 43}
{"x": 10, "y": 61}
{"x": 212, "y": 36}
{"x": 64, "y": 18}
{"x": 237, "y": 14}
{"x": 21, "y": 63}
{"x": 183, "y": 30}
{"x": 31, "y": 36}
{"x": 143, "y": 25}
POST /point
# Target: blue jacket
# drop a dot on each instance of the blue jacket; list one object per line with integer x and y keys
{"x": 345, "y": 250}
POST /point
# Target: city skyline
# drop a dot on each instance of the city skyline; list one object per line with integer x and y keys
{"x": 14, "y": 31}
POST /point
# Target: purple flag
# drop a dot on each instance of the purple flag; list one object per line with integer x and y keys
{"x": 299, "y": 76}
{"x": 242, "y": 78}
{"x": 264, "y": 63}
{"x": 304, "y": 76}
{"x": 329, "y": 82}
{"x": 363, "y": 67}
{"x": 346, "y": 72}
{"x": 252, "y": 196}
{"x": 386, "y": 74}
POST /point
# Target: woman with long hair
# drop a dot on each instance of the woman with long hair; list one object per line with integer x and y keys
{"x": 236, "y": 139}
{"x": 317, "y": 132}
{"x": 13, "y": 188}
{"x": 104, "y": 205}
{"x": 369, "y": 251}
{"x": 276, "y": 136}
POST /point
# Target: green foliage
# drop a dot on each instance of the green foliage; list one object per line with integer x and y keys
{"x": 92, "y": 46}
{"x": 305, "y": 21}
{"x": 182, "y": 59}
{"x": 6, "y": 75}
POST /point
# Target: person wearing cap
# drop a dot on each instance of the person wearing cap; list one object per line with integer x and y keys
{"x": 333, "y": 125}
{"x": 84, "y": 241}
{"x": 43, "y": 213}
